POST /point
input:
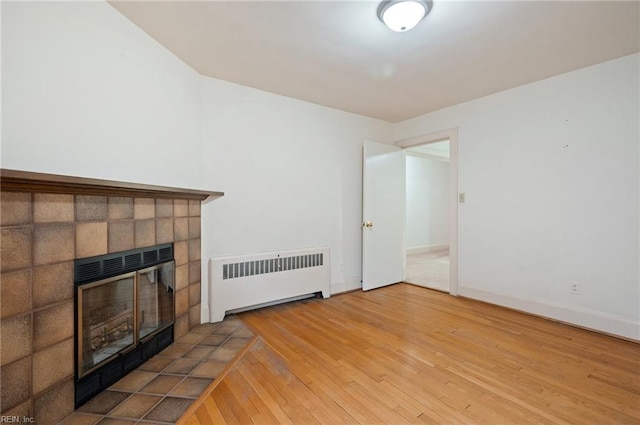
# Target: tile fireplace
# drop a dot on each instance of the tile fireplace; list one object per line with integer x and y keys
{"x": 47, "y": 223}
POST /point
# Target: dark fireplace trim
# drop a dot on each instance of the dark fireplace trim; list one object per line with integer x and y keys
{"x": 95, "y": 269}
{"x": 92, "y": 269}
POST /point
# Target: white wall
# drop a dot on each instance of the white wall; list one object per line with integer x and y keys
{"x": 427, "y": 203}
{"x": 550, "y": 172}
{"x": 291, "y": 172}
{"x": 81, "y": 86}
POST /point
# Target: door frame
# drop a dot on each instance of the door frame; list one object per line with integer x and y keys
{"x": 452, "y": 135}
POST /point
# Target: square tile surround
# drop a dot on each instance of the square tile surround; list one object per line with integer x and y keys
{"x": 42, "y": 234}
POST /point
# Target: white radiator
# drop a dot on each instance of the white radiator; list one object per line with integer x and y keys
{"x": 256, "y": 280}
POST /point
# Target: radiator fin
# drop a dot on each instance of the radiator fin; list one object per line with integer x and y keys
{"x": 271, "y": 265}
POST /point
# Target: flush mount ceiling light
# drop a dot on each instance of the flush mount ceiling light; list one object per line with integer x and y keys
{"x": 402, "y": 15}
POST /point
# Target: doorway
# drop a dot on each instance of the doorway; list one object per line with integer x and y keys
{"x": 383, "y": 215}
{"x": 427, "y": 186}
{"x": 451, "y": 136}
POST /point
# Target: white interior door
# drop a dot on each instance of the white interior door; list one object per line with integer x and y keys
{"x": 383, "y": 204}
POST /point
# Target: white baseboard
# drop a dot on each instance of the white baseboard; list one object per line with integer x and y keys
{"x": 422, "y": 249}
{"x": 204, "y": 313}
{"x": 348, "y": 285}
{"x": 583, "y": 317}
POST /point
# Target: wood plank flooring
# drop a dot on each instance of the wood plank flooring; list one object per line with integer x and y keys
{"x": 405, "y": 354}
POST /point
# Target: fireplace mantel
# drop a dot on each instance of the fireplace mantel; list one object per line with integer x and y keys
{"x": 26, "y": 181}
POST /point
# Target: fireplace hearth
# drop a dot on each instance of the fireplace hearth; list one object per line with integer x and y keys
{"x": 124, "y": 314}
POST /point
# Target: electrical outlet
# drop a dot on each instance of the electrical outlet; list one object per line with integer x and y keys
{"x": 462, "y": 198}
{"x": 574, "y": 288}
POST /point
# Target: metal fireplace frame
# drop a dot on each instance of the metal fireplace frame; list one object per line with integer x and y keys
{"x": 102, "y": 270}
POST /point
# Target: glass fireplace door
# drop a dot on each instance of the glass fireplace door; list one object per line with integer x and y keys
{"x": 155, "y": 299}
{"x": 105, "y": 320}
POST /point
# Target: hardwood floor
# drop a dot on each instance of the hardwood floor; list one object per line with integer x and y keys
{"x": 404, "y": 354}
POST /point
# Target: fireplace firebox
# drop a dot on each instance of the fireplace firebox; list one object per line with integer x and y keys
{"x": 124, "y": 314}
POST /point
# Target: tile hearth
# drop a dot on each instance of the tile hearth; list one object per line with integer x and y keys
{"x": 162, "y": 389}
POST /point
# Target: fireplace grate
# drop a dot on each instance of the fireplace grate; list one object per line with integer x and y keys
{"x": 104, "y": 266}
{"x": 132, "y": 261}
{"x": 150, "y": 257}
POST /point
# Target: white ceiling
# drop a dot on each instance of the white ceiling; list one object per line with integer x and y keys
{"x": 338, "y": 54}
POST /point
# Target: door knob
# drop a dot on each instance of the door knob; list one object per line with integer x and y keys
{"x": 367, "y": 224}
